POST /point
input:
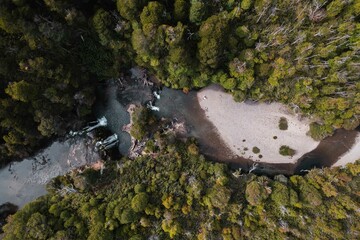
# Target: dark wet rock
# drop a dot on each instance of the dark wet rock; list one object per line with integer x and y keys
{"x": 6, "y": 209}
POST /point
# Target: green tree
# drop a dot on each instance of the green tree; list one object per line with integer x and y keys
{"x": 255, "y": 193}
{"x": 212, "y": 34}
{"x": 219, "y": 196}
{"x": 139, "y": 202}
{"x": 335, "y": 7}
{"x": 246, "y": 4}
{"x": 38, "y": 228}
{"x": 280, "y": 194}
{"x": 127, "y": 216}
{"x": 181, "y": 10}
{"x": 197, "y": 11}
{"x": 22, "y": 91}
{"x": 130, "y": 9}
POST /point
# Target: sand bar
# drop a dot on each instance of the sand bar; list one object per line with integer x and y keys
{"x": 245, "y": 125}
{"x": 350, "y": 156}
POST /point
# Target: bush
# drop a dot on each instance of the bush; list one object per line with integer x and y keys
{"x": 283, "y": 123}
{"x": 319, "y": 132}
{"x": 256, "y": 150}
{"x": 193, "y": 149}
{"x": 286, "y": 151}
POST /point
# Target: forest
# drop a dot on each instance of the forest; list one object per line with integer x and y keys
{"x": 174, "y": 193}
{"x": 171, "y": 191}
{"x": 54, "y": 53}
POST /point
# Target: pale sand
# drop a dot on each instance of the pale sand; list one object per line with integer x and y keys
{"x": 257, "y": 124}
{"x": 350, "y": 156}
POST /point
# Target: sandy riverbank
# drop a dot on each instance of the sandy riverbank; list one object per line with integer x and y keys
{"x": 350, "y": 156}
{"x": 246, "y": 125}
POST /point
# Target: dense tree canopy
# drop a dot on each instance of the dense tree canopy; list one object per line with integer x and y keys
{"x": 51, "y": 59}
{"x": 174, "y": 194}
{"x": 302, "y": 53}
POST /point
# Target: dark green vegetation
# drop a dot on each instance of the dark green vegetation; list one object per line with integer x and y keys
{"x": 255, "y": 150}
{"x": 172, "y": 192}
{"x": 302, "y": 53}
{"x": 175, "y": 193}
{"x": 286, "y": 151}
{"x": 141, "y": 122}
{"x": 283, "y": 123}
{"x": 52, "y": 53}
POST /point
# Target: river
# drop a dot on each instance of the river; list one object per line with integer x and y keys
{"x": 21, "y": 182}
{"x": 24, "y": 181}
{"x": 185, "y": 107}
{"x": 175, "y": 104}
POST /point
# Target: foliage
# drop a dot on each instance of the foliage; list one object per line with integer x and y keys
{"x": 54, "y": 52}
{"x": 143, "y": 201}
{"x": 139, "y": 202}
{"x": 283, "y": 123}
{"x": 286, "y": 151}
{"x": 303, "y": 54}
{"x": 318, "y": 131}
{"x": 141, "y": 122}
{"x": 51, "y": 59}
{"x": 256, "y": 150}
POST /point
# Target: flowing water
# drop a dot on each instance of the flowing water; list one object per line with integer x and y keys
{"x": 113, "y": 105}
{"x": 21, "y": 182}
{"x": 175, "y": 103}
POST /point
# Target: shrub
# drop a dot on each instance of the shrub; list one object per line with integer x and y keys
{"x": 256, "y": 150}
{"x": 286, "y": 151}
{"x": 319, "y": 132}
{"x": 193, "y": 149}
{"x": 283, "y": 123}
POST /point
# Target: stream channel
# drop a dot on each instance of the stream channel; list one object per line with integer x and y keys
{"x": 24, "y": 181}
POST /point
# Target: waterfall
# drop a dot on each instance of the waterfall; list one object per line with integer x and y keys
{"x": 101, "y": 122}
{"x": 108, "y": 143}
{"x": 156, "y": 95}
{"x": 152, "y": 107}
{"x": 253, "y": 167}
